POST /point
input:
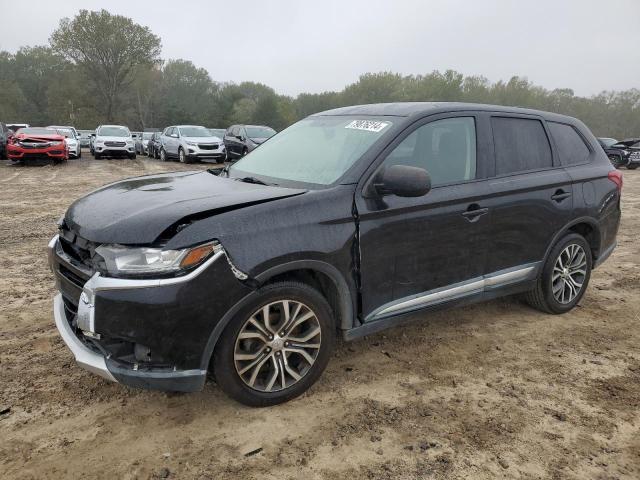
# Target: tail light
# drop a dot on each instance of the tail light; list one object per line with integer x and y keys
{"x": 616, "y": 177}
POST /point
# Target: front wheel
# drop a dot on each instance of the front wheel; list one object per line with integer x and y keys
{"x": 565, "y": 276}
{"x": 277, "y": 345}
{"x": 163, "y": 155}
{"x": 181, "y": 155}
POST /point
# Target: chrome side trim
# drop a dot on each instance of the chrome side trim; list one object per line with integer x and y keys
{"x": 459, "y": 290}
{"x": 86, "y": 358}
{"x": 504, "y": 277}
{"x": 424, "y": 299}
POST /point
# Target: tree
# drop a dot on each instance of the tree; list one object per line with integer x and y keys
{"x": 108, "y": 48}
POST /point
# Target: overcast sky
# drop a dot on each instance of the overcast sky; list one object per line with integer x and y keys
{"x": 317, "y": 45}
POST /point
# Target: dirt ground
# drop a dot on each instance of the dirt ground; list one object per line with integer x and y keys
{"x": 495, "y": 390}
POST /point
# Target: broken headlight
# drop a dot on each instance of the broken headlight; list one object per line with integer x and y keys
{"x": 133, "y": 261}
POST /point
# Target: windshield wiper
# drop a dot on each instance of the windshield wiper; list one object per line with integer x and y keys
{"x": 255, "y": 180}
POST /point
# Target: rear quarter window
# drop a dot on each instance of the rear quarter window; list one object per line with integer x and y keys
{"x": 521, "y": 144}
{"x": 571, "y": 148}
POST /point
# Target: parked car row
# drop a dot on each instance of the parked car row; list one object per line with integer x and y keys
{"x": 185, "y": 143}
{"x": 625, "y": 153}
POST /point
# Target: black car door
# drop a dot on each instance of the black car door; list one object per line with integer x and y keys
{"x": 416, "y": 252}
{"x": 531, "y": 193}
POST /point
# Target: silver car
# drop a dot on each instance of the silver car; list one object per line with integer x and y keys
{"x": 190, "y": 143}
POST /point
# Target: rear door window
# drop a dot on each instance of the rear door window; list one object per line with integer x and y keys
{"x": 521, "y": 144}
{"x": 444, "y": 148}
{"x": 570, "y": 146}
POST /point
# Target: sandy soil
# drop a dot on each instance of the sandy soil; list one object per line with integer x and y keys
{"x": 496, "y": 390}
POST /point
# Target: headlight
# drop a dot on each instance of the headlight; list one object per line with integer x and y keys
{"x": 55, "y": 144}
{"x": 129, "y": 142}
{"x": 193, "y": 144}
{"x": 121, "y": 260}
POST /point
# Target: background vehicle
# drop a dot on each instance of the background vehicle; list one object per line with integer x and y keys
{"x": 71, "y": 140}
{"x": 308, "y": 239}
{"x": 113, "y": 140}
{"x": 190, "y": 143}
{"x": 37, "y": 144}
{"x": 4, "y": 138}
{"x": 153, "y": 147}
{"x": 619, "y": 152}
{"x": 241, "y": 139}
{"x": 142, "y": 142}
{"x": 85, "y": 138}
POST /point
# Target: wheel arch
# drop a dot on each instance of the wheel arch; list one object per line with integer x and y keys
{"x": 587, "y": 227}
{"x": 323, "y": 276}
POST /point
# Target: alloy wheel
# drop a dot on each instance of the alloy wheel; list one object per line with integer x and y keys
{"x": 277, "y": 346}
{"x": 569, "y": 273}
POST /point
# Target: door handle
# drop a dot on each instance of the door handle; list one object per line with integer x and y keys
{"x": 474, "y": 212}
{"x": 560, "y": 195}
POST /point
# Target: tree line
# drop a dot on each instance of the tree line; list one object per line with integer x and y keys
{"x": 103, "y": 68}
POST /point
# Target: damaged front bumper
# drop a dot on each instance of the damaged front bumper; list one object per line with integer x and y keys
{"x": 146, "y": 333}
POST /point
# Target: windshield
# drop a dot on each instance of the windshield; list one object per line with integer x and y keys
{"x": 315, "y": 150}
{"x": 113, "y": 132}
{"x": 217, "y": 132}
{"x": 607, "y": 142}
{"x": 194, "y": 132}
{"x": 67, "y": 132}
{"x": 37, "y": 131}
{"x": 260, "y": 132}
{"x": 147, "y": 135}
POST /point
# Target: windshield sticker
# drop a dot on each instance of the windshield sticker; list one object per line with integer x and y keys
{"x": 368, "y": 125}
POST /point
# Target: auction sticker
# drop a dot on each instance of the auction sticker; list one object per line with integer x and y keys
{"x": 368, "y": 125}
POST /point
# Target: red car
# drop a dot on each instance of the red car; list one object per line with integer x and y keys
{"x": 35, "y": 143}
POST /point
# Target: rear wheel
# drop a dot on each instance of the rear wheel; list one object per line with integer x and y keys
{"x": 277, "y": 345}
{"x": 564, "y": 277}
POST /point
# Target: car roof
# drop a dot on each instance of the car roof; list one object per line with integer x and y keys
{"x": 123, "y": 126}
{"x": 411, "y": 109}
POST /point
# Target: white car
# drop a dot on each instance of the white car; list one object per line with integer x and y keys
{"x": 189, "y": 143}
{"x": 70, "y": 138}
{"x": 113, "y": 140}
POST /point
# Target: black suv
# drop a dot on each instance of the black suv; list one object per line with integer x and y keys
{"x": 5, "y": 133}
{"x": 241, "y": 139}
{"x": 348, "y": 222}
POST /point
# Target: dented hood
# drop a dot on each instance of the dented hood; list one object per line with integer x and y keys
{"x": 140, "y": 210}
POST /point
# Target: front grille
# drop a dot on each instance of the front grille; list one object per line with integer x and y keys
{"x": 28, "y": 145}
{"x": 208, "y": 146}
{"x": 635, "y": 156}
{"x": 114, "y": 144}
{"x": 72, "y": 277}
{"x": 77, "y": 248}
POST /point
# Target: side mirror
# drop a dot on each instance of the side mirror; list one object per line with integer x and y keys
{"x": 92, "y": 135}
{"x": 403, "y": 181}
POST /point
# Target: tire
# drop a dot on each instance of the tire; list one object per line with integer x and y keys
{"x": 542, "y": 297}
{"x": 163, "y": 155}
{"x": 616, "y": 160}
{"x": 96, "y": 156}
{"x": 632, "y": 167}
{"x": 182, "y": 158}
{"x": 132, "y": 156}
{"x": 244, "y": 151}
{"x": 228, "y": 367}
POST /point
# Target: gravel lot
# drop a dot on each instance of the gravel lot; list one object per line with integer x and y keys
{"x": 489, "y": 391}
